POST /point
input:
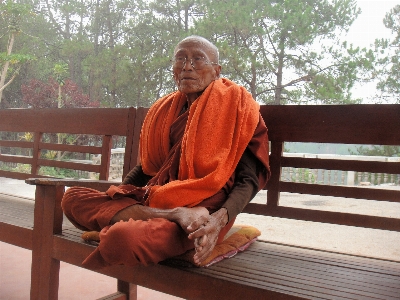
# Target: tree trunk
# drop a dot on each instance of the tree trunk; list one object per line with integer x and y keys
{"x": 113, "y": 67}
{"x": 94, "y": 87}
{"x": 6, "y": 65}
{"x": 278, "y": 88}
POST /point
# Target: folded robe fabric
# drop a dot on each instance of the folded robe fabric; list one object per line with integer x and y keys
{"x": 220, "y": 125}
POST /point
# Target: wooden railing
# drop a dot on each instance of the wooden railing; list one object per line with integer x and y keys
{"x": 289, "y": 174}
{"x": 339, "y": 177}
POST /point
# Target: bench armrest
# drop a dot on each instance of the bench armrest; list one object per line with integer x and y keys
{"x": 101, "y": 185}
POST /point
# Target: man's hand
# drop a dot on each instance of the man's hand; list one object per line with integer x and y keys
{"x": 185, "y": 216}
{"x": 205, "y": 231}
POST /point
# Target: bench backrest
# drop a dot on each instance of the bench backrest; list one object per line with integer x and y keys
{"x": 343, "y": 124}
{"x": 104, "y": 123}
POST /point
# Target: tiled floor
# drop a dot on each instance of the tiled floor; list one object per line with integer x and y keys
{"x": 75, "y": 283}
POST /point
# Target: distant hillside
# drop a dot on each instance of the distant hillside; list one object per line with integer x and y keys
{"x": 322, "y": 148}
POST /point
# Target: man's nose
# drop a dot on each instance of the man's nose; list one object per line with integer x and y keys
{"x": 188, "y": 64}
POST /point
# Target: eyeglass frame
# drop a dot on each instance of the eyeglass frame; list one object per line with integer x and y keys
{"x": 207, "y": 62}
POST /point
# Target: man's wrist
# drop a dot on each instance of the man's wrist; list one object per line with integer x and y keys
{"x": 222, "y": 215}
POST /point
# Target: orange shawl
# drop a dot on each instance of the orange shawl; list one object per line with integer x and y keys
{"x": 220, "y": 124}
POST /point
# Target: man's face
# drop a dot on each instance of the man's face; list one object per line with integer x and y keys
{"x": 191, "y": 81}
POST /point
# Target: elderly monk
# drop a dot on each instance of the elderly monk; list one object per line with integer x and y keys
{"x": 204, "y": 156}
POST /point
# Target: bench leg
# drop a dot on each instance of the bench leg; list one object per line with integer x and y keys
{"x": 47, "y": 221}
{"x": 128, "y": 289}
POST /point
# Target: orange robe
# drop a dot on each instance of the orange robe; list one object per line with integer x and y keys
{"x": 186, "y": 172}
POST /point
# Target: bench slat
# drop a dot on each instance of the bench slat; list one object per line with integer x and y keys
{"x": 288, "y": 269}
{"x": 97, "y": 121}
{"x": 344, "y": 124}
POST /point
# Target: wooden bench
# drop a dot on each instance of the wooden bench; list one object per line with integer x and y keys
{"x": 100, "y": 124}
{"x": 264, "y": 271}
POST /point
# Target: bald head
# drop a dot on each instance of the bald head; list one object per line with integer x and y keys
{"x": 203, "y": 43}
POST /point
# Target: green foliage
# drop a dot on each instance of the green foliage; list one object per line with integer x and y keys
{"x": 386, "y": 71}
{"x": 15, "y": 58}
{"x": 59, "y": 173}
{"x": 60, "y": 73}
{"x": 12, "y": 13}
{"x": 268, "y": 46}
{"x": 303, "y": 175}
{"x": 118, "y": 52}
{"x": 375, "y": 150}
{"x": 20, "y": 168}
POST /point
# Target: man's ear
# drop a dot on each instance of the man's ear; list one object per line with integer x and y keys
{"x": 217, "y": 69}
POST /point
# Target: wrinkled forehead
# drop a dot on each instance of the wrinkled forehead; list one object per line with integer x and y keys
{"x": 196, "y": 46}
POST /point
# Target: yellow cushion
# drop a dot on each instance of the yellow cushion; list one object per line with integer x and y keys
{"x": 238, "y": 238}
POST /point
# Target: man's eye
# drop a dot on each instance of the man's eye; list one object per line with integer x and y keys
{"x": 179, "y": 58}
{"x": 198, "y": 58}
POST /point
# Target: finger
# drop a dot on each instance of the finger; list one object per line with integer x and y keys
{"x": 203, "y": 240}
{"x": 198, "y": 233}
{"x": 197, "y": 242}
{"x": 196, "y": 224}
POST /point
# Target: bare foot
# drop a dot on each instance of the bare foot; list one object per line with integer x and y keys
{"x": 89, "y": 236}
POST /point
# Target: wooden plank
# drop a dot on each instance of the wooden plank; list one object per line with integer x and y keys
{"x": 16, "y": 211}
{"x": 273, "y": 184}
{"x": 47, "y": 221}
{"x": 344, "y": 165}
{"x": 129, "y": 145}
{"x": 289, "y": 269}
{"x": 281, "y": 271}
{"x": 69, "y": 165}
{"x": 332, "y": 271}
{"x": 128, "y": 289}
{"x": 16, "y": 159}
{"x": 16, "y": 235}
{"x": 101, "y": 185}
{"x": 70, "y": 148}
{"x": 341, "y": 191}
{"x": 18, "y": 175}
{"x": 182, "y": 283}
{"x": 100, "y": 121}
{"x": 289, "y": 283}
{"x": 324, "y": 216}
{"x": 140, "y": 116}
{"x": 347, "y": 124}
{"x": 37, "y": 137}
{"x": 16, "y": 144}
{"x": 317, "y": 273}
{"x": 115, "y": 296}
{"x": 105, "y": 157}
{"x": 376, "y": 266}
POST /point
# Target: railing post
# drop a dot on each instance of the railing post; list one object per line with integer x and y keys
{"x": 274, "y": 182}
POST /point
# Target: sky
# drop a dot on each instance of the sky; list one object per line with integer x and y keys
{"x": 369, "y": 24}
{"x": 366, "y": 28}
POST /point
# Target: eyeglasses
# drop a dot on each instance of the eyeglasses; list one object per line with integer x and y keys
{"x": 197, "y": 62}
